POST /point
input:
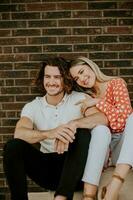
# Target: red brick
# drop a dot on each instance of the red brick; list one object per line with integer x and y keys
{"x": 125, "y": 4}
{"x": 26, "y": 32}
{"x": 118, "y": 30}
{"x": 13, "y": 74}
{"x": 118, "y": 47}
{"x": 87, "y": 47}
{"x": 42, "y": 40}
{"x": 103, "y": 55}
{"x": 86, "y": 14}
{"x": 42, "y": 23}
{"x": 126, "y": 55}
{"x": 56, "y": 31}
{"x": 87, "y": 31}
{"x": 102, "y": 5}
{"x": 102, "y": 22}
{"x": 12, "y": 41}
{"x": 14, "y": 90}
{"x": 5, "y": 33}
{"x": 72, "y": 6}
{"x": 7, "y": 50}
{"x": 56, "y": 15}
{"x": 72, "y": 39}
{"x": 27, "y": 49}
{"x": 41, "y": 7}
{"x": 73, "y": 22}
{"x": 125, "y": 22}
{"x": 26, "y": 15}
{"x": 12, "y": 106}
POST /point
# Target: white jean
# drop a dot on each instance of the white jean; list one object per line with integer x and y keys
{"x": 98, "y": 149}
{"x": 122, "y": 150}
{"x": 126, "y": 153}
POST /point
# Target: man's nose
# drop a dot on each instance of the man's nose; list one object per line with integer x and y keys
{"x": 52, "y": 80}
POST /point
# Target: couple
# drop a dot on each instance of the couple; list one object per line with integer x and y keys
{"x": 62, "y": 120}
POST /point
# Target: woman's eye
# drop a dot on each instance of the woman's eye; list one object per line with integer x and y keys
{"x": 76, "y": 79}
{"x": 81, "y": 72}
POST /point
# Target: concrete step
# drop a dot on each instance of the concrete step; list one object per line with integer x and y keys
{"x": 50, "y": 196}
{"x": 126, "y": 192}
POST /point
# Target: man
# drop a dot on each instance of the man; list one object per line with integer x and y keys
{"x": 52, "y": 120}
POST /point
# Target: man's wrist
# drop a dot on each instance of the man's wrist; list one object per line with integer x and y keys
{"x": 76, "y": 123}
{"x": 45, "y": 134}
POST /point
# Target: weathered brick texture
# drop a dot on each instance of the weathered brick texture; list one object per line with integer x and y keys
{"x": 31, "y": 30}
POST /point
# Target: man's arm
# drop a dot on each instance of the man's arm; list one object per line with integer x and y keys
{"x": 86, "y": 122}
{"x": 24, "y": 130}
{"x": 91, "y": 121}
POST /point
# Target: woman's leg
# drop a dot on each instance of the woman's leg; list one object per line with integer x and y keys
{"x": 74, "y": 165}
{"x": 22, "y": 159}
{"x": 99, "y": 145}
{"x": 126, "y": 154}
{"x": 124, "y": 162}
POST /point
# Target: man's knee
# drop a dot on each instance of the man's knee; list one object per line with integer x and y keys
{"x": 13, "y": 147}
{"x": 83, "y": 134}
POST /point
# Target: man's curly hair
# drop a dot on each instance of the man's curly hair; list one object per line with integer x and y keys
{"x": 62, "y": 65}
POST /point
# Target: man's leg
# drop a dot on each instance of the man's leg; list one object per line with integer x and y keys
{"x": 22, "y": 159}
{"x": 74, "y": 164}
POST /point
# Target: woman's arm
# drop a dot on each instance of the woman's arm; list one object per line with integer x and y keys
{"x": 119, "y": 108}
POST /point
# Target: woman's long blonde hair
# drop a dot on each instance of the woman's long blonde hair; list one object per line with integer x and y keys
{"x": 100, "y": 76}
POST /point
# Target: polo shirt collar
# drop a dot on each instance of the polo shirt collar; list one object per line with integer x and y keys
{"x": 60, "y": 103}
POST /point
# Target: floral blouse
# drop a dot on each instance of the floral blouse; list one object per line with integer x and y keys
{"x": 116, "y": 104}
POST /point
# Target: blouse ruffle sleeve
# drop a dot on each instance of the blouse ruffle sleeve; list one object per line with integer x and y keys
{"x": 116, "y": 104}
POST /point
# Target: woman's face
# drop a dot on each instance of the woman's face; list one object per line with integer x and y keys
{"x": 83, "y": 75}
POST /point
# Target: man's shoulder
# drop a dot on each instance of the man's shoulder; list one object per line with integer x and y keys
{"x": 77, "y": 95}
{"x": 34, "y": 102}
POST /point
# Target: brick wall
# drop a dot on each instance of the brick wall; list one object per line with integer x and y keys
{"x": 31, "y": 30}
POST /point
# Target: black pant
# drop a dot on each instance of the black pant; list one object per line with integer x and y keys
{"x": 60, "y": 172}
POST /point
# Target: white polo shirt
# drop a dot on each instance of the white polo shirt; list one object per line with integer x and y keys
{"x": 45, "y": 116}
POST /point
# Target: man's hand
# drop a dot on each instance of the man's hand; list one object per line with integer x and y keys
{"x": 63, "y": 133}
{"x": 60, "y": 147}
{"x": 72, "y": 125}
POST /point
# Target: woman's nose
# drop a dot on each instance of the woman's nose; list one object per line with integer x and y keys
{"x": 81, "y": 78}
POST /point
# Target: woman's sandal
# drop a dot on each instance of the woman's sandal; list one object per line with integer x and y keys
{"x": 89, "y": 197}
{"x": 104, "y": 189}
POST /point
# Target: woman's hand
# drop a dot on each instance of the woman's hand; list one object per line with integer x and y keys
{"x": 88, "y": 102}
{"x": 91, "y": 111}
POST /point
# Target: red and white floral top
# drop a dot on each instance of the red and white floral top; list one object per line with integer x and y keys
{"x": 116, "y": 104}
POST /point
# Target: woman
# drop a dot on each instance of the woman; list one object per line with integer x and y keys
{"x": 110, "y": 96}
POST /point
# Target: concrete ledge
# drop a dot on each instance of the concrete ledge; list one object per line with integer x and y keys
{"x": 126, "y": 192}
{"x": 50, "y": 196}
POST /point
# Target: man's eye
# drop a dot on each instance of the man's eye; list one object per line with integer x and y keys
{"x": 46, "y": 76}
{"x": 58, "y": 77}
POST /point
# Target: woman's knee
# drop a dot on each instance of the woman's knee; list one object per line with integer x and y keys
{"x": 130, "y": 119}
{"x": 102, "y": 132}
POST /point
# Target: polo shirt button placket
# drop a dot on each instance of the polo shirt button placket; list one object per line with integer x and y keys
{"x": 56, "y": 114}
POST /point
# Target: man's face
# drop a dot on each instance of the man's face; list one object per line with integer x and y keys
{"x": 53, "y": 81}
